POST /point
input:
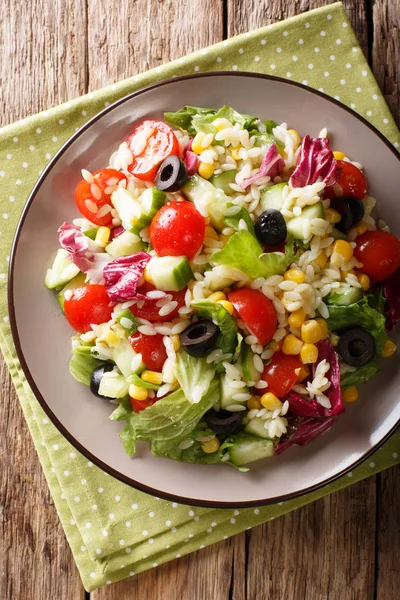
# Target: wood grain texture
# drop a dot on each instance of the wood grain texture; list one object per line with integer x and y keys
{"x": 388, "y": 535}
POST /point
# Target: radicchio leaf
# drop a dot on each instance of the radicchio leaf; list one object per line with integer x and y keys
{"x": 122, "y": 277}
{"x": 315, "y": 163}
{"x": 271, "y": 164}
{"x": 190, "y": 159}
{"x": 391, "y": 291}
{"x": 302, "y": 431}
{"x": 83, "y": 252}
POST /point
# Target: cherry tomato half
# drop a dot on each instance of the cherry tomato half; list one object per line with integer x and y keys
{"x": 351, "y": 182}
{"x": 149, "y": 310}
{"x": 89, "y": 204}
{"x": 138, "y": 405}
{"x": 379, "y": 252}
{"x": 150, "y": 143}
{"x": 280, "y": 374}
{"x": 177, "y": 230}
{"x": 257, "y": 312}
{"x": 86, "y": 305}
{"x": 152, "y": 349}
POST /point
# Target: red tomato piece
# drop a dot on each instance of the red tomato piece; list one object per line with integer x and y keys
{"x": 379, "y": 252}
{"x": 351, "y": 182}
{"x": 152, "y": 349}
{"x": 87, "y": 304}
{"x": 91, "y": 197}
{"x": 280, "y": 374}
{"x": 138, "y": 405}
{"x": 177, "y": 230}
{"x": 149, "y": 310}
{"x": 256, "y": 311}
{"x": 150, "y": 143}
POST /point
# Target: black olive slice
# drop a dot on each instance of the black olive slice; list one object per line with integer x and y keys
{"x": 352, "y": 211}
{"x": 356, "y": 347}
{"x": 199, "y": 338}
{"x": 96, "y": 376}
{"x": 270, "y": 227}
{"x": 171, "y": 175}
{"x": 223, "y": 421}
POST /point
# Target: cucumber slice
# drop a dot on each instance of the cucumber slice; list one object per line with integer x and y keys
{"x": 249, "y": 449}
{"x": 169, "y": 273}
{"x": 137, "y": 213}
{"x": 124, "y": 245}
{"x": 62, "y": 271}
{"x": 151, "y": 201}
{"x": 256, "y": 427}
{"x": 128, "y": 321}
{"x": 113, "y": 385}
{"x": 91, "y": 233}
{"x": 272, "y": 197}
{"x": 344, "y": 296}
{"x": 222, "y": 181}
{"x": 76, "y": 282}
{"x": 123, "y": 354}
{"x": 338, "y": 235}
{"x": 250, "y": 373}
{"x": 226, "y": 393}
{"x": 295, "y": 225}
{"x": 214, "y": 200}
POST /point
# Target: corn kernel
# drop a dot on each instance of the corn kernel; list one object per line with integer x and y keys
{"x": 338, "y": 155}
{"x": 365, "y": 281}
{"x": 211, "y": 233}
{"x": 389, "y": 349}
{"x": 351, "y": 394}
{"x": 152, "y": 377}
{"x": 309, "y": 354}
{"x": 334, "y": 339}
{"x": 282, "y": 152}
{"x": 291, "y": 344}
{"x": 275, "y": 346}
{"x": 147, "y": 276}
{"x": 270, "y": 401}
{"x": 112, "y": 339}
{"x": 210, "y": 446}
{"x": 321, "y": 259}
{"x": 228, "y": 306}
{"x": 361, "y": 228}
{"x": 324, "y": 327}
{"x": 332, "y": 216}
{"x": 102, "y": 236}
{"x": 344, "y": 273}
{"x": 295, "y": 275}
{"x": 216, "y": 296}
{"x": 197, "y": 148}
{"x": 311, "y": 332}
{"x": 137, "y": 392}
{"x": 235, "y": 152}
{"x": 297, "y": 318}
{"x": 296, "y": 136}
{"x": 221, "y": 123}
{"x": 253, "y": 403}
{"x": 341, "y": 253}
{"x": 176, "y": 342}
{"x": 205, "y": 170}
{"x": 302, "y": 372}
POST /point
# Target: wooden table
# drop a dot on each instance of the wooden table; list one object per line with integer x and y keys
{"x": 342, "y": 547}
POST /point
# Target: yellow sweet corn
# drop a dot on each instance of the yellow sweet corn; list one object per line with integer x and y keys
{"x": 297, "y": 318}
{"x": 351, "y": 394}
{"x": 291, "y": 344}
{"x": 221, "y": 123}
{"x": 211, "y": 233}
{"x": 341, "y": 253}
{"x": 275, "y": 346}
{"x": 389, "y": 349}
{"x": 228, "y": 306}
{"x": 205, "y": 170}
{"x": 147, "y": 276}
{"x": 338, "y": 155}
{"x": 197, "y": 148}
{"x": 235, "y": 152}
{"x": 302, "y": 372}
{"x": 270, "y": 401}
{"x": 296, "y": 135}
{"x": 345, "y": 273}
{"x": 309, "y": 354}
{"x": 152, "y": 377}
{"x": 176, "y": 342}
{"x": 111, "y": 338}
{"x": 334, "y": 339}
{"x": 137, "y": 392}
{"x": 311, "y": 332}
{"x": 102, "y": 236}
{"x": 365, "y": 281}
{"x": 253, "y": 403}
{"x": 332, "y": 216}
{"x": 216, "y": 296}
{"x": 321, "y": 259}
{"x": 210, "y": 446}
{"x": 295, "y": 275}
{"x": 324, "y": 327}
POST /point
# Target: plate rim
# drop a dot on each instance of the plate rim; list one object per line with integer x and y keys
{"x": 14, "y": 326}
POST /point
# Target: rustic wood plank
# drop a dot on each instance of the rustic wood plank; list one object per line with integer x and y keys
{"x": 388, "y": 535}
{"x": 386, "y": 51}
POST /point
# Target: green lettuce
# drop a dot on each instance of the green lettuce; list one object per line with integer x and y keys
{"x": 194, "y": 119}
{"x": 243, "y": 252}
{"x": 233, "y": 220}
{"x": 169, "y": 421}
{"x": 227, "y": 340}
{"x": 83, "y": 363}
{"x": 194, "y": 375}
{"x": 359, "y": 314}
{"x": 360, "y": 375}
{"x": 182, "y": 118}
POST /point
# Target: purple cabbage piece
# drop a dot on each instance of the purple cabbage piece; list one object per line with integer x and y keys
{"x": 271, "y": 164}
{"x": 190, "y": 159}
{"x": 306, "y": 430}
{"x": 391, "y": 291}
{"x": 314, "y": 163}
{"x": 122, "y": 277}
{"x": 76, "y": 244}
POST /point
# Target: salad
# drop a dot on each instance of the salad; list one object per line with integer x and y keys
{"x": 228, "y": 286}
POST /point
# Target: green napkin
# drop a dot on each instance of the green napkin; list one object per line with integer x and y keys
{"x": 115, "y": 531}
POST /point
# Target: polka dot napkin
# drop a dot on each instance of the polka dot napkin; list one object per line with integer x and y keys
{"x": 115, "y": 531}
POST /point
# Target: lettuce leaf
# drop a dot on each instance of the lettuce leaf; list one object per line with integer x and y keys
{"x": 359, "y": 314}
{"x": 194, "y": 375}
{"x": 360, "y": 375}
{"x": 182, "y": 118}
{"x": 233, "y": 220}
{"x": 243, "y": 252}
{"x": 227, "y": 339}
{"x": 83, "y": 363}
